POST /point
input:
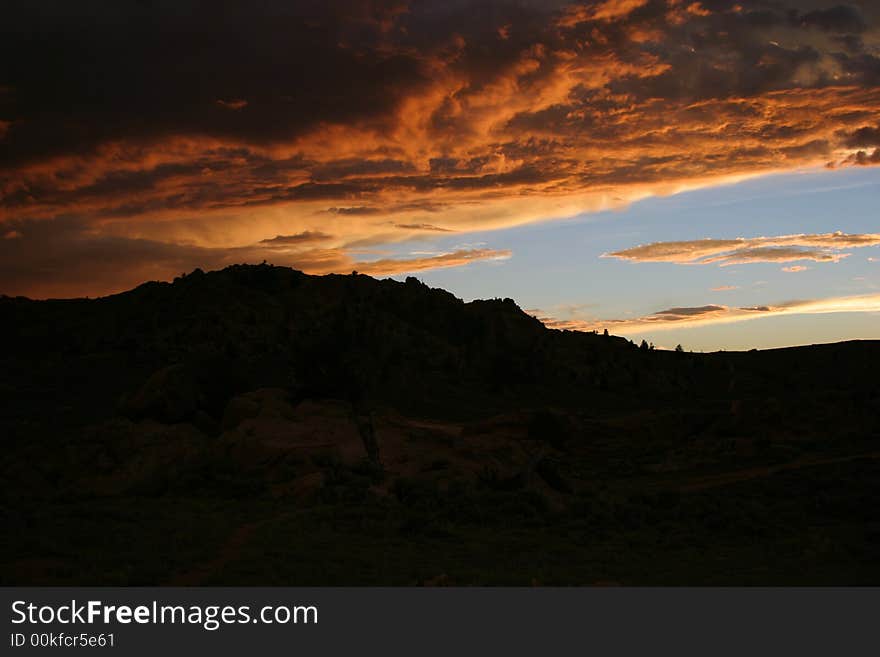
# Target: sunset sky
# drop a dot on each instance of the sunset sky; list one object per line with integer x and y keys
{"x": 703, "y": 173}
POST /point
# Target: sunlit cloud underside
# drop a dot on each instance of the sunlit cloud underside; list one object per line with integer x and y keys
{"x": 372, "y": 125}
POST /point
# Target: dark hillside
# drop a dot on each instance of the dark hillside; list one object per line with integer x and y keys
{"x": 259, "y": 425}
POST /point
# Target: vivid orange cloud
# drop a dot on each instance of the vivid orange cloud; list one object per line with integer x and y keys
{"x": 458, "y": 258}
{"x": 374, "y": 122}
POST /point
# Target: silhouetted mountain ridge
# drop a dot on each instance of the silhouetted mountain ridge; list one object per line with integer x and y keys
{"x": 376, "y": 417}
{"x": 349, "y": 336}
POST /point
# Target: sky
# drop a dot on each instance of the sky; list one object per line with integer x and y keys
{"x": 702, "y": 173}
{"x": 562, "y": 271}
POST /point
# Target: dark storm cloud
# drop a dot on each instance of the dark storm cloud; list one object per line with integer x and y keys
{"x": 220, "y": 124}
{"x": 861, "y": 67}
{"x": 87, "y": 72}
{"x": 864, "y": 158}
{"x": 138, "y": 70}
{"x": 842, "y": 18}
{"x": 863, "y": 137}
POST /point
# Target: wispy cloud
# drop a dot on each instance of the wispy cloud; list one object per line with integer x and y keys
{"x": 685, "y": 317}
{"x": 824, "y": 247}
{"x": 427, "y": 227}
{"x": 724, "y": 288}
{"x": 306, "y": 237}
{"x": 391, "y": 266}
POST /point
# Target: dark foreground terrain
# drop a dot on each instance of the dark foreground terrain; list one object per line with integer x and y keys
{"x": 260, "y": 426}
